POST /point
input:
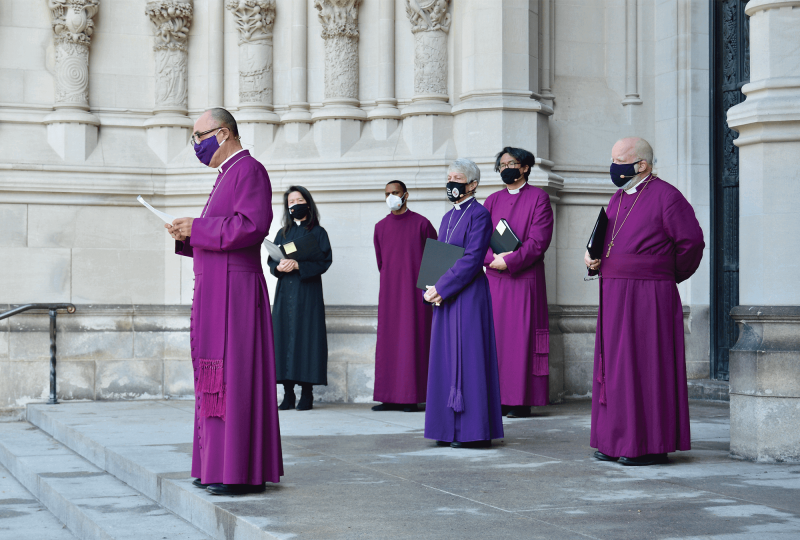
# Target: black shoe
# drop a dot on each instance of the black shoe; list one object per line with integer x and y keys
{"x": 471, "y": 444}
{"x": 412, "y": 407}
{"x": 235, "y": 489}
{"x": 197, "y": 483}
{"x": 644, "y": 461}
{"x": 504, "y": 409}
{"x": 386, "y": 407}
{"x": 443, "y": 443}
{"x": 288, "y": 401}
{"x": 521, "y": 411}
{"x": 306, "y": 402}
{"x": 604, "y": 457}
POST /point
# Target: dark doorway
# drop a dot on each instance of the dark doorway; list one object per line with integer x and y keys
{"x": 729, "y": 71}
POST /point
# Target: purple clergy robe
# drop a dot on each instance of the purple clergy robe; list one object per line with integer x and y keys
{"x": 640, "y": 401}
{"x": 519, "y": 296}
{"x": 463, "y": 390}
{"x": 404, "y": 319}
{"x": 236, "y": 434}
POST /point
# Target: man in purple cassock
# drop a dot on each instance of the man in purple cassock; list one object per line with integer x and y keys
{"x": 463, "y": 405}
{"x": 640, "y": 400}
{"x": 519, "y": 292}
{"x": 404, "y": 320}
{"x": 237, "y": 445}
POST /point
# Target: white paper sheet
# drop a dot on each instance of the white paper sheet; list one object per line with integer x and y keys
{"x": 274, "y": 251}
{"x": 166, "y": 218}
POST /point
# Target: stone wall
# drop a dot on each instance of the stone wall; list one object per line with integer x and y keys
{"x": 99, "y": 102}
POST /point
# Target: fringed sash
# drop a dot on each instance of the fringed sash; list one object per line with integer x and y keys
{"x": 541, "y": 364}
{"x": 456, "y": 399}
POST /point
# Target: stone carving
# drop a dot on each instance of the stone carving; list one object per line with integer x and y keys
{"x": 254, "y": 20}
{"x": 430, "y": 23}
{"x": 340, "y": 31}
{"x": 72, "y": 30}
{"x": 171, "y": 20}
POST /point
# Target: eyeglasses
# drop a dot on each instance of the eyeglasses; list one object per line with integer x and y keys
{"x": 512, "y": 164}
{"x": 196, "y": 136}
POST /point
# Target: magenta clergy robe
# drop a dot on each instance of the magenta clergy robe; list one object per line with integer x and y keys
{"x": 519, "y": 296}
{"x": 236, "y": 435}
{"x": 640, "y": 402}
{"x": 463, "y": 401}
{"x": 404, "y": 320}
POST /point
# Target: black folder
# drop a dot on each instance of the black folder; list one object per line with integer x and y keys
{"x": 503, "y": 239}
{"x": 437, "y": 259}
{"x": 598, "y": 239}
{"x": 305, "y": 248}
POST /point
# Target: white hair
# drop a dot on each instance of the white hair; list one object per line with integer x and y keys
{"x": 642, "y": 150}
{"x": 468, "y": 168}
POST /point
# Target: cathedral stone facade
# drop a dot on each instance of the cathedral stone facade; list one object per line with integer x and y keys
{"x": 340, "y": 96}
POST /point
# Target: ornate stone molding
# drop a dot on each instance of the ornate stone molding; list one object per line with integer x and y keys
{"x": 430, "y": 23}
{"x": 72, "y": 31}
{"x": 339, "y": 20}
{"x": 171, "y": 20}
{"x": 254, "y": 20}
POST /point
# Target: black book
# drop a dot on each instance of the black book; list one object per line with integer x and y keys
{"x": 598, "y": 239}
{"x": 437, "y": 259}
{"x": 305, "y": 248}
{"x": 503, "y": 239}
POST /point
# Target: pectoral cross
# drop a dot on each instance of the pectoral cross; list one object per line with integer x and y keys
{"x": 608, "y": 254}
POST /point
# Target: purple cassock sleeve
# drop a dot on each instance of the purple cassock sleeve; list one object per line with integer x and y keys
{"x": 376, "y": 241}
{"x": 681, "y": 225}
{"x": 540, "y": 232}
{"x": 476, "y": 240}
{"x": 251, "y": 218}
{"x": 489, "y": 257}
{"x": 183, "y": 248}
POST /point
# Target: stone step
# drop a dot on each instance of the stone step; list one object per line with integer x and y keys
{"x": 147, "y": 445}
{"x": 21, "y": 513}
{"x": 708, "y": 389}
{"x": 91, "y": 502}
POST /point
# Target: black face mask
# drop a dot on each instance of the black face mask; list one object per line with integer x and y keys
{"x": 509, "y": 175}
{"x": 455, "y": 190}
{"x": 621, "y": 173}
{"x": 298, "y": 211}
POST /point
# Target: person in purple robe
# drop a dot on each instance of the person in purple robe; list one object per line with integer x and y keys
{"x": 517, "y": 282}
{"x": 237, "y": 445}
{"x": 404, "y": 319}
{"x": 640, "y": 399}
{"x": 463, "y": 404}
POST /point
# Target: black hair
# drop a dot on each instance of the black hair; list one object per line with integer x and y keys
{"x": 225, "y": 120}
{"x": 401, "y": 184}
{"x": 520, "y": 154}
{"x": 313, "y": 213}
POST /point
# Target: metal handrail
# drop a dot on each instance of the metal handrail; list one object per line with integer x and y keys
{"x": 53, "y": 309}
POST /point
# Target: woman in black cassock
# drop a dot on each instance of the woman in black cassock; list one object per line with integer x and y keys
{"x": 298, "y": 315}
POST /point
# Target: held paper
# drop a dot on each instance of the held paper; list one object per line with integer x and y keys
{"x": 166, "y": 218}
{"x": 501, "y": 227}
{"x": 273, "y": 250}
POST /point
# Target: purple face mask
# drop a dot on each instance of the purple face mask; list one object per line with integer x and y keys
{"x": 206, "y": 149}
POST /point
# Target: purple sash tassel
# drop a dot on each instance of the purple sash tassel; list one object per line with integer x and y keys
{"x": 212, "y": 388}
{"x": 456, "y": 400}
{"x": 541, "y": 364}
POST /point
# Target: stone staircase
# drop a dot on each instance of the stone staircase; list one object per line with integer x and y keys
{"x": 131, "y": 489}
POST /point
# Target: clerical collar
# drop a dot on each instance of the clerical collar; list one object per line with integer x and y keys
{"x": 222, "y": 165}
{"x": 298, "y": 222}
{"x": 459, "y": 205}
{"x": 631, "y": 191}
{"x": 515, "y": 191}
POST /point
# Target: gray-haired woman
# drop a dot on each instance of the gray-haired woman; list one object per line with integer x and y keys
{"x": 463, "y": 405}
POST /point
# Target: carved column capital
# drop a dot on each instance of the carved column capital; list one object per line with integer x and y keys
{"x": 428, "y": 15}
{"x": 171, "y": 20}
{"x": 72, "y": 31}
{"x": 72, "y": 19}
{"x": 338, "y": 17}
{"x": 254, "y": 19}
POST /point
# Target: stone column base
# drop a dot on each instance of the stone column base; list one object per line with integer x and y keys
{"x": 765, "y": 384}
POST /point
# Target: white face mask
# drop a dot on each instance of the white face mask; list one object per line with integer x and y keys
{"x": 394, "y": 202}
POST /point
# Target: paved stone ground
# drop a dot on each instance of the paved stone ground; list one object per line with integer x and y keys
{"x": 353, "y": 473}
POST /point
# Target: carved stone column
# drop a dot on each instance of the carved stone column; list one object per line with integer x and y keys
{"x": 255, "y": 20}
{"x": 338, "y": 122}
{"x": 430, "y": 23}
{"x": 71, "y": 129}
{"x": 631, "y": 55}
{"x": 384, "y": 117}
{"x": 169, "y": 130}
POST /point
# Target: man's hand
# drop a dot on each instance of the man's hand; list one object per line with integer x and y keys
{"x": 287, "y": 265}
{"x": 181, "y": 228}
{"x": 499, "y": 262}
{"x": 591, "y": 264}
{"x": 432, "y": 296}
